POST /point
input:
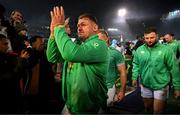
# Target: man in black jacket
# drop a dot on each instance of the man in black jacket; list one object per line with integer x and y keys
{"x": 11, "y": 67}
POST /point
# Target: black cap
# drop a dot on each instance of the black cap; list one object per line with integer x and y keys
{"x": 20, "y": 26}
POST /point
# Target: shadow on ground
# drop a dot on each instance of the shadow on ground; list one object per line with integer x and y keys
{"x": 133, "y": 104}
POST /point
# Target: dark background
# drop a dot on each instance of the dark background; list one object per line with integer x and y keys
{"x": 140, "y": 14}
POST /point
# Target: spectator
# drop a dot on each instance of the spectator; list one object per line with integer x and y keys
{"x": 20, "y": 41}
{"x": 16, "y": 17}
{"x": 41, "y": 86}
{"x": 11, "y": 68}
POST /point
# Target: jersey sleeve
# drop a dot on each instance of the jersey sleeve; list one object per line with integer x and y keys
{"x": 135, "y": 70}
{"x": 89, "y": 52}
{"x": 52, "y": 52}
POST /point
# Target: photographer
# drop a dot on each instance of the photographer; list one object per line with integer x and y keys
{"x": 11, "y": 67}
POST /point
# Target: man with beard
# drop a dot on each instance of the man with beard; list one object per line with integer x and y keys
{"x": 155, "y": 63}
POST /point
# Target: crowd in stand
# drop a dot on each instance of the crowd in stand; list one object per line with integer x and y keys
{"x": 27, "y": 82}
{"x": 79, "y": 75}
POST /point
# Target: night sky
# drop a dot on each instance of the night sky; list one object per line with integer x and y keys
{"x": 140, "y": 12}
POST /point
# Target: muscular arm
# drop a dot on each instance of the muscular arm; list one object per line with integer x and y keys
{"x": 123, "y": 76}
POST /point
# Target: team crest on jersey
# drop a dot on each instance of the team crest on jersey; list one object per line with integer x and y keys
{"x": 142, "y": 52}
{"x": 95, "y": 45}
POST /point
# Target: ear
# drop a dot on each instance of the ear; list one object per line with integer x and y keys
{"x": 95, "y": 28}
{"x": 12, "y": 13}
{"x": 157, "y": 37}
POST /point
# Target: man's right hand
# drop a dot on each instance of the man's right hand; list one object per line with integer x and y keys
{"x": 24, "y": 54}
{"x": 57, "y": 18}
{"x": 134, "y": 83}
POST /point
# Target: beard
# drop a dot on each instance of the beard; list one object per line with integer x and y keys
{"x": 151, "y": 44}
